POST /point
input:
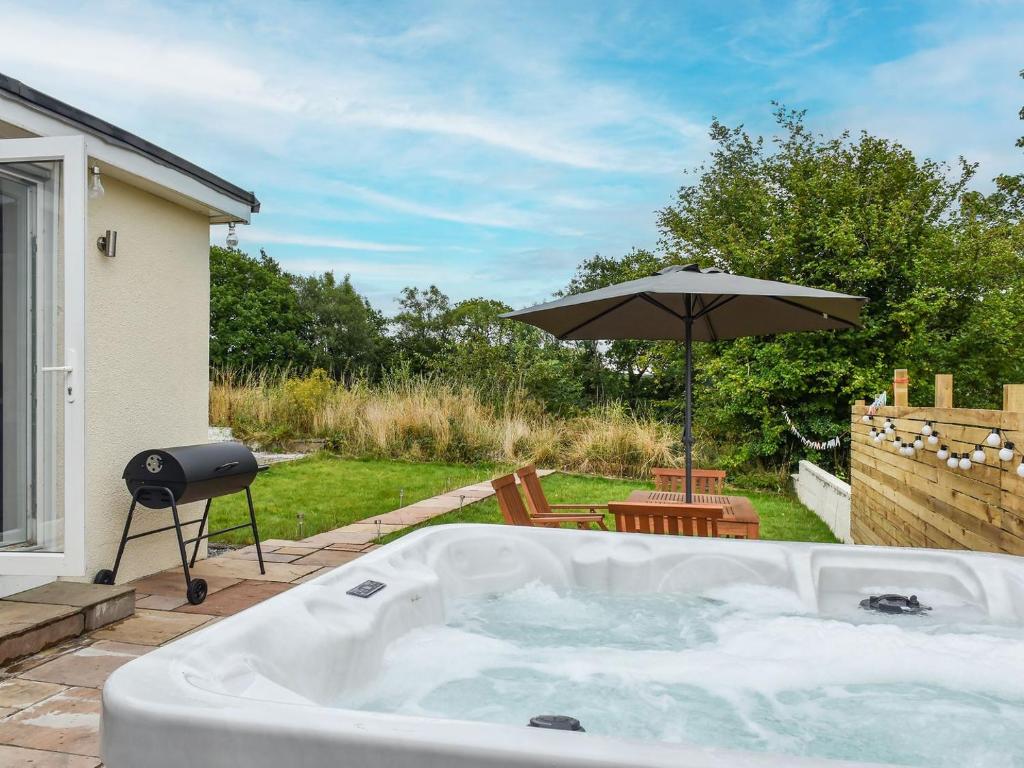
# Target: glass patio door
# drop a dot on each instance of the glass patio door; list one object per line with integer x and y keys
{"x": 42, "y": 224}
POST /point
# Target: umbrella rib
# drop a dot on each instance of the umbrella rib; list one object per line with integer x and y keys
{"x": 847, "y": 323}
{"x": 707, "y": 318}
{"x": 651, "y": 300}
{"x": 721, "y": 301}
{"x": 598, "y": 316}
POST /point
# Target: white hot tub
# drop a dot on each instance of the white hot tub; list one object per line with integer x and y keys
{"x": 670, "y": 651}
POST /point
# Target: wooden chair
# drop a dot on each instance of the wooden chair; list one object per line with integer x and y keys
{"x": 672, "y": 519}
{"x": 511, "y": 505}
{"x": 710, "y": 481}
{"x": 538, "y": 502}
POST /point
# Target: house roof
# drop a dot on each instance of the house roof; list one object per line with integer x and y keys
{"x": 38, "y": 100}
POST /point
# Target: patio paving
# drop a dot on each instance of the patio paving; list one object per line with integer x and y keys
{"x": 50, "y": 701}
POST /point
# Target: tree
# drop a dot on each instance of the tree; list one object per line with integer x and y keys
{"x": 344, "y": 333}
{"x": 255, "y": 320}
{"x": 420, "y": 331}
{"x": 941, "y": 267}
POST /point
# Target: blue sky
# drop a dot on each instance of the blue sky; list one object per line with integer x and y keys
{"x": 488, "y": 147}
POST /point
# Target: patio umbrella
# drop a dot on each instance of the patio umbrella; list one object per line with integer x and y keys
{"x": 687, "y": 303}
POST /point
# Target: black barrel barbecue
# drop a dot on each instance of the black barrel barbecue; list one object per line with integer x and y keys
{"x": 167, "y": 477}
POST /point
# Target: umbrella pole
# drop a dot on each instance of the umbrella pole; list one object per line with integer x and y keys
{"x": 688, "y": 423}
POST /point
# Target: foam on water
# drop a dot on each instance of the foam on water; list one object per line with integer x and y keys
{"x": 744, "y": 667}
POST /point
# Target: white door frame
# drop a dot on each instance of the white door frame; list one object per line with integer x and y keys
{"x": 70, "y": 150}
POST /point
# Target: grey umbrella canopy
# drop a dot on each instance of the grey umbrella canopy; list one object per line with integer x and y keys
{"x": 686, "y": 303}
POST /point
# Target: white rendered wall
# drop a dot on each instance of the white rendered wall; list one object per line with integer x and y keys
{"x": 827, "y": 496}
{"x": 147, "y": 358}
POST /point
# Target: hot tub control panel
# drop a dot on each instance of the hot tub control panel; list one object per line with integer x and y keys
{"x": 367, "y": 589}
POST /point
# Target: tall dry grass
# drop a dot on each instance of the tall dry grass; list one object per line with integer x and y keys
{"x": 425, "y": 419}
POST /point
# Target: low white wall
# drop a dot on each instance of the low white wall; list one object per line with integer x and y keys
{"x": 826, "y": 496}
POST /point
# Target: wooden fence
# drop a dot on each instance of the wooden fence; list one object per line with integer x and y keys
{"x": 919, "y": 501}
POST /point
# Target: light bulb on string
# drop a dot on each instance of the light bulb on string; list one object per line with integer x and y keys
{"x": 926, "y": 429}
{"x": 994, "y": 440}
{"x": 965, "y": 461}
{"x": 943, "y": 453}
{"x": 918, "y": 444}
{"x": 866, "y": 418}
{"x": 1006, "y": 452}
{"x": 933, "y": 438}
{"x": 873, "y": 433}
{"x": 978, "y": 457}
{"x": 953, "y": 461}
{"x": 1020, "y": 469}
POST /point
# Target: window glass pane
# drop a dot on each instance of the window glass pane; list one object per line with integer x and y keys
{"x": 31, "y": 339}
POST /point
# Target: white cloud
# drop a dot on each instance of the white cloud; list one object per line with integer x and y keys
{"x": 257, "y": 236}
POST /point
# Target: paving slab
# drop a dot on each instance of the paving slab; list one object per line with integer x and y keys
{"x": 313, "y": 575}
{"x": 161, "y": 602}
{"x": 348, "y": 547}
{"x": 340, "y": 536}
{"x": 373, "y": 527}
{"x": 171, "y": 583}
{"x": 243, "y": 595}
{"x": 16, "y": 617}
{"x": 87, "y": 667}
{"x": 330, "y": 557}
{"x": 276, "y": 543}
{"x": 27, "y": 628}
{"x": 67, "y": 722}
{"x": 151, "y": 627}
{"x": 16, "y": 693}
{"x": 299, "y": 551}
{"x": 35, "y": 758}
{"x": 250, "y": 569}
{"x": 268, "y": 557}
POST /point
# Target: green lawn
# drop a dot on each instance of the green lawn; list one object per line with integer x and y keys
{"x": 782, "y": 517}
{"x": 332, "y": 492}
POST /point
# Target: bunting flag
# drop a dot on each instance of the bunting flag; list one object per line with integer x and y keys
{"x": 818, "y": 445}
{"x": 878, "y": 402}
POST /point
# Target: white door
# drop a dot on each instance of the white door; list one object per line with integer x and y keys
{"x": 42, "y": 340}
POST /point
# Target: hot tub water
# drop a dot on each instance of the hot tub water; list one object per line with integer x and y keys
{"x": 744, "y": 667}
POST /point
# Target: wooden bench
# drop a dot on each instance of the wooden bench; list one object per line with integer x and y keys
{"x": 672, "y": 519}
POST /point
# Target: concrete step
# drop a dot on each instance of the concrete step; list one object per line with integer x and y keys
{"x": 41, "y": 617}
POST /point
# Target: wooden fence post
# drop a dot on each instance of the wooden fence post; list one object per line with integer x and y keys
{"x": 1013, "y": 397}
{"x": 899, "y": 387}
{"x": 943, "y": 390}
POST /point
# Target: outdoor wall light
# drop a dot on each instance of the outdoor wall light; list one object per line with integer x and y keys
{"x": 1006, "y": 452}
{"x": 107, "y": 243}
{"x": 933, "y": 438}
{"x": 993, "y": 440}
{"x": 918, "y": 444}
{"x": 943, "y": 453}
{"x": 926, "y": 429}
{"x": 1020, "y": 469}
{"x": 965, "y": 461}
{"x": 953, "y": 460}
{"x": 96, "y": 184}
{"x": 978, "y": 457}
{"x": 232, "y": 238}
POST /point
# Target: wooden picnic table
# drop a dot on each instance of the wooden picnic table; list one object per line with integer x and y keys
{"x": 739, "y": 518}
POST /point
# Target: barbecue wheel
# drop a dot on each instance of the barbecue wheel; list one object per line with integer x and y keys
{"x": 106, "y": 576}
{"x": 196, "y": 591}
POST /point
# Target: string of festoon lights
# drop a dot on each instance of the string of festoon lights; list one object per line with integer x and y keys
{"x": 905, "y": 446}
{"x": 817, "y": 445}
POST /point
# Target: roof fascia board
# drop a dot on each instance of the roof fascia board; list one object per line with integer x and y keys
{"x": 222, "y": 208}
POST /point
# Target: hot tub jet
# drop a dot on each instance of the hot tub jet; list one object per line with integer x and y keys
{"x": 894, "y": 604}
{"x": 556, "y": 723}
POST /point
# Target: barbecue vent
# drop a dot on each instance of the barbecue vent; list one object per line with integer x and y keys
{"x": 190, "y": 472}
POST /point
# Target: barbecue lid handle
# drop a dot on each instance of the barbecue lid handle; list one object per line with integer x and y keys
{"x": 223, "y": 467}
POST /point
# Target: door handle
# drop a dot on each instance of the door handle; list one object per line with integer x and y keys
{"x": 68, "y": 369}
